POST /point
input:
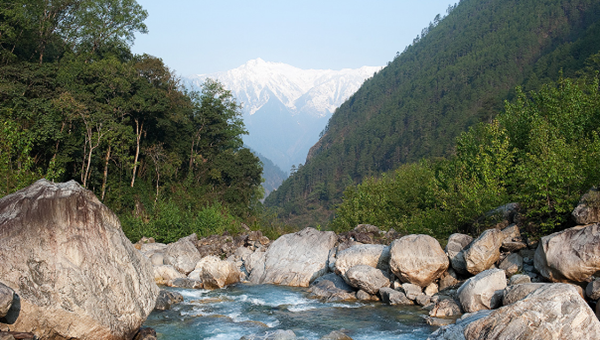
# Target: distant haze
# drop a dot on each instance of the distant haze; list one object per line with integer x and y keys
{"x": 285, "y": 108}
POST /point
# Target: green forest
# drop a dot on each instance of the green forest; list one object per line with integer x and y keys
{"x": 75, "y": 103}
{"x": 456, "y": 74}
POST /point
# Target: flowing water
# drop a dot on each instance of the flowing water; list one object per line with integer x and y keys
{"x": 248, "y": 309}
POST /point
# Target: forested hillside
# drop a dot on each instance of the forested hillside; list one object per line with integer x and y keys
{"x": 75, "y": 103}
{"x": 456, "y": 73}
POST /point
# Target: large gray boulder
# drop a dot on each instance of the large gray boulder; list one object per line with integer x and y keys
{"x": 418, "y": 259}
{"x": 367, "y": 278}
{"x": 553, "y": 311}
{"x": 374, "y": 255}
{"x": 456, "y": 243}
{"x": 588, "y": 209}
{"x": 183, "y": 254}
{"x": 78, "y": 277}
{"x": 296, "y": 259}
{"x": 483, "y": 291}
{"x": 483, "y": 251}
{"x": 331, "y": 287}
{"x": 571, "y": 255}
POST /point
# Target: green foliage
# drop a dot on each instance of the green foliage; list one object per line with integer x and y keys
{"x": 76, "y": 104}
{"x": 455, "y": 75}
{"x": 543, "y": 151}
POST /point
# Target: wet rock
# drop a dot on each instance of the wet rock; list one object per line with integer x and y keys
{"x": 367, "y": 278}
{"x": 331, "y": 287}
{"x": 394, "y": 297}
{"x": 166, "y": 299}
{"x": 456, "y": 243}
{"x": 411, "y": 291}
{"x": 418, "y": 259}
{"x": 374, "y": 255}
{"x": 77, "y": 275}
{"x": 483, "y": 291}
{"x": 183, "y": 254}
{"x": 512, "y": 264}
{"x": 297, "y": 259}
{"x": 364, "y": 296}
{"x": 438, "y": 322}
{"x": 483, "y": 251}
{"x": 279, "y": 334}
{"x": 571, "y": 255}
{"x": 588, "y": 209}
{"x": 336, "y": 335}
{"x": 446, "y": 308}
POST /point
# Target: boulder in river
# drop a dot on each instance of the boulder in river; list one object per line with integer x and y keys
{"x": 374, "y": 255}
{"x": 331, "y": 287}
{"x": 296, "y": 259}
{"x": 571, "y": 255}
{"x": 394, "y": 297}
{"x": 367, "y": 278}
{"x": 418, "y": 259}
{"x": 553, "y": 311}
{"x": 183, "y": 254}
{"x": 216, "y": 273}
{"x": 77, "y": 275}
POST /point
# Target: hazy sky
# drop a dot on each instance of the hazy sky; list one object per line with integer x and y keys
{"x": 198, "y": 36}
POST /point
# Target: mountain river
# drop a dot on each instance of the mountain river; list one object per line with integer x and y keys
{"x": 241, "y": 309}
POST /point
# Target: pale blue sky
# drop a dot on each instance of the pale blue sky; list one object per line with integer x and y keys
{"x": 197, "y": 36}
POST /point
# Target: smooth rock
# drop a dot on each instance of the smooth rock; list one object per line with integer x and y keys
{"x": 216, "y": 273}
{"x": 77, "y": 275}
{"x": 571, "y": 255}
{"x": 456, "y": 243}
{"x": 331, "y": 287}
{"x": 483, "y": 251}
{"x": 554, "y": 311}
{"x": 367, "y": 278}
{"x": 483, "y": 291}
{"x": 157, "y": 259}
{"x": 394, "y": 297}
{"x": 423, "y": 300}
{"x": 592, "y": 290}
{"x": 166, "y": 299}
{"x": 445, "y": 308}
{"x": 411, "y": 291}
{"x": 588, "y": 209}
{"x": 374, "y": 255}
{"x": 519, "y": 279}
{"x": 418, "y": 259}
{"x": 336, "y": 335}
{"x": 183, "y": 254}
{"x": 7, "y": 295}
{"x": 364, "y": 296}
{"x": 296, "y": 259}
{"x": 431, "y": 290}
{"x": 512, "y": 264}
{"x": 166, "y": 273}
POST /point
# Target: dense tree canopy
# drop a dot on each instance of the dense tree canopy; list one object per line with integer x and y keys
{"x": 76, "y": 104}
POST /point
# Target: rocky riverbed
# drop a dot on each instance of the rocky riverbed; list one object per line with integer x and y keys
{"x": 69, "y": 272}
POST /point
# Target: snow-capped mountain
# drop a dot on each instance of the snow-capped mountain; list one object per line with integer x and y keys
{"x": 316, "y": 92}
{"x": 285, "y": 107}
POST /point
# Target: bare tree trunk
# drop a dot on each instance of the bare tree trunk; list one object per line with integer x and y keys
{"x": 105, "y": 172}
{"x": 138, "y": 131}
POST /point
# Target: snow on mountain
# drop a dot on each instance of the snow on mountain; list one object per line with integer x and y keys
{"x": 285, "y": 107}
{"x": 316, "y": 92}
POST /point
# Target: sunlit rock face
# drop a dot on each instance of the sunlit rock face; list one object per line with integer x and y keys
{"x": 77, "y": 275}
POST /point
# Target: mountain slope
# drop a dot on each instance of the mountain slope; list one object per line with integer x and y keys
{"x": 285, "y": 107}
{"x": 458, "y": 74}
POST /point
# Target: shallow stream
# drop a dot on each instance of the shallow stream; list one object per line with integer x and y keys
{"x": 251, "y": 309}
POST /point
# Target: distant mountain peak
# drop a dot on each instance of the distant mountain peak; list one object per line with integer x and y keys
{"x": 254, "y": 82}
